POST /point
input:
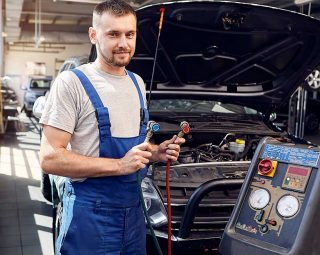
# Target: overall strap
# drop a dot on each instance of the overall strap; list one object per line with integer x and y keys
{"x": 133, "y": 78}
{"x": 102, "y": 113}
{"x": 144, "y": 114}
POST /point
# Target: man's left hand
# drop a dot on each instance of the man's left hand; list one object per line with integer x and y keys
{"x": 169, "y": 149}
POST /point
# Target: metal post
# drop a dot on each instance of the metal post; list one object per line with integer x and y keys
{"x": 298, "y": 108}
{"x": 1, "y": 69}
{"x": 1, "y": 42}
{"x": 297, "y": 112}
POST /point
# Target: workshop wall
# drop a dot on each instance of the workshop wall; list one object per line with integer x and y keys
{"x": 15, "y": 63}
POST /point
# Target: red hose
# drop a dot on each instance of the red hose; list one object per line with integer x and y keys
{"x": 168, "y": 204}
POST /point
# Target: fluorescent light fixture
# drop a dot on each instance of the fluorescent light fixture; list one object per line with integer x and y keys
{"x": 4, "y": 34}
{"x": 81, "y": 1}
{"x": 299, "y": 2}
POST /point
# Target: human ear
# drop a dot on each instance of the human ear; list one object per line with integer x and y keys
{"x": 92, "y": 35}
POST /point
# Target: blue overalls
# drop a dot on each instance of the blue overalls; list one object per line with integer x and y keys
{"x": 104, "y": 215}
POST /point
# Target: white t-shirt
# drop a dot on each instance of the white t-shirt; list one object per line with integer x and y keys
{"x": 68, "y": 107}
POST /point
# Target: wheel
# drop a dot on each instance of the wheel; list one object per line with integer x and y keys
{"x": 312, "y": 82}
{"x": 312, "y": 123}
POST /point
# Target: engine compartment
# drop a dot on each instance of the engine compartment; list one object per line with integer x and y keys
{"x": 218, "y": 147}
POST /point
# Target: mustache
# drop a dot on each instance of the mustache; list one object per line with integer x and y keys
{"x": 121, "y": 51}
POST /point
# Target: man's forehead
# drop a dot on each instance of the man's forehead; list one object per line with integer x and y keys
{"x": 117, "y": 23}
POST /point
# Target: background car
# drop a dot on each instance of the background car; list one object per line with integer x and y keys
{"x": 312, "y": 116}
{"x": 73, "y": 62}
{"x": 34, "y": 86}
{"x": 312, "y": 82}
{"x": 10, "y": 104}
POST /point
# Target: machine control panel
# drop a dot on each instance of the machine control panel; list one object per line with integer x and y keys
{"x": 276, "y": 198}
{"x": 296, "y": 178}
{"x": 278, "y": 206}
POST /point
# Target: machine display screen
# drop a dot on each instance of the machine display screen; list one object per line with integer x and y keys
{"x": 296, "y": 178}
{"x": 298, "y": 171}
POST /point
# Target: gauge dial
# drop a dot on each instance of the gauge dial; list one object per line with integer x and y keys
{"x": 259, "y": 198}
{"x": 288, "y": 206}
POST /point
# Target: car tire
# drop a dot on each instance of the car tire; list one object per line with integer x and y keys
{"x": 312, "y": 123}
{"x": 312, "y": 82}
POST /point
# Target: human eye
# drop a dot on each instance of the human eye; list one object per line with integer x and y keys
{"x": 113, "y": 34}
{"x": 130, "y": 35}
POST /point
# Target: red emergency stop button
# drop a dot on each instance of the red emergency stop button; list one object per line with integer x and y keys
{"x": 265, "y": 166}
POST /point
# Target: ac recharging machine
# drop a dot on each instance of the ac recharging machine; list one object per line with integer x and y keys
{"x": 278, "y": 209}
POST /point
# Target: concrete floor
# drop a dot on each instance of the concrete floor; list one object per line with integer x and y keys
{"x": 25, "y": 216}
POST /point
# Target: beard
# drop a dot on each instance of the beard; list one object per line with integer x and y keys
{"x": 115, "y": 59}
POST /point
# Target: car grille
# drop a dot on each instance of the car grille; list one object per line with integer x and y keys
{"x": 212, "y": 215}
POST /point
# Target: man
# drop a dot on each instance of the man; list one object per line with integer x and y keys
{"x": 99, "y": 109}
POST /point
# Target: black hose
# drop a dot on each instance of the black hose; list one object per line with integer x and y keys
{"x": 147, "y": 215}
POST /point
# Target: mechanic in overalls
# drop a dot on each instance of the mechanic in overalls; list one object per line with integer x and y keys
{"x": 99, "y": 109}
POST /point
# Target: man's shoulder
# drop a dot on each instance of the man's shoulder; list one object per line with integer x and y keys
{"x": 138, "y": 77}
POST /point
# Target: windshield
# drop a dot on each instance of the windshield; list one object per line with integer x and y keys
{"x": 198, "y": 106}
{"x": 40, "y": 84}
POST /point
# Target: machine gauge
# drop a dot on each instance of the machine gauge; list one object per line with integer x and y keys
{"x": 288, "y": 206}
{"x": 259, "y": 198}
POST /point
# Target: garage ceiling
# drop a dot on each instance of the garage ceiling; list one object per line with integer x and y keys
{"x": 67, "y": 22}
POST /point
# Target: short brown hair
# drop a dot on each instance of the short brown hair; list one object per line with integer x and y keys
{"x": 114, "y": 7}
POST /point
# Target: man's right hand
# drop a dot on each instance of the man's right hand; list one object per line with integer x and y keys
{"x": 135, "y": 159}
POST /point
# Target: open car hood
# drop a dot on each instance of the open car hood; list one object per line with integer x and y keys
{"x": 238, "y": 53}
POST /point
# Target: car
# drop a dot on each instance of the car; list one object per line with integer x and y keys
{"x": 10, "y": 104}
{"x": 312, "y": 115}
{"x": 34, "y": 86}
{"x": 73, "y": 62}
{"x": 224, "y": 68}
{"x": 312, "y": 82}
{"x": 9, "y": 96}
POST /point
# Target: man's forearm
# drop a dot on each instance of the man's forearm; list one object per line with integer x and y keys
{"x": 67, "y": 163}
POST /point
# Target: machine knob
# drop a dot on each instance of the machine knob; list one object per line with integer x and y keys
{"x": 272, "y": 222}
{"x": 265, "y": 166}
{"x": 264, "y": 228}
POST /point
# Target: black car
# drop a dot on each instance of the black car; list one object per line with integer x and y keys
{"x": 312, "y": 115}
{"x": 223, "y": 67}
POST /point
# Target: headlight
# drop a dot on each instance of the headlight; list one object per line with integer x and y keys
{"x": 156, "y": 211}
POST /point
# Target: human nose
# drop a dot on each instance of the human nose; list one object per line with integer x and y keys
{"x": 122, "y": 42}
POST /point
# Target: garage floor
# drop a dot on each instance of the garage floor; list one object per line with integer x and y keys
{"x": 25, "y": 216}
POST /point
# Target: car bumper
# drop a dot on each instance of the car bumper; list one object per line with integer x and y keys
{"x": 207, "y": 244}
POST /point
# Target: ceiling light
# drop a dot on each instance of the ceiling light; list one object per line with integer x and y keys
{"x": 4, "y": 34}
{"x": 298, "y": 2}
{"x": 80, "y": 1}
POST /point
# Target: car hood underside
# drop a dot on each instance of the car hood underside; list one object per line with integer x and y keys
{"x": 247, "y": 54}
